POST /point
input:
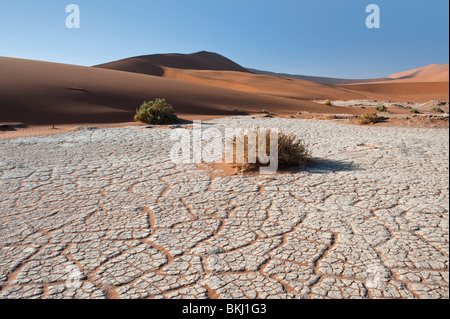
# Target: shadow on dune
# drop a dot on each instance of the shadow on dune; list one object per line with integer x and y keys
{"x": 153, "y": 64}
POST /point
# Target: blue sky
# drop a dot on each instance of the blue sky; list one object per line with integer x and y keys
{"x": 311, "y": 37}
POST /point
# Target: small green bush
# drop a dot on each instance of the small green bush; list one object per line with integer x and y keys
{"x": 381, "y": 108}
{"x": 368, "y": 118}
{"x": 156, "y": 112}
{"x": 415, "y": 111}
{"x": 438, "y": 109}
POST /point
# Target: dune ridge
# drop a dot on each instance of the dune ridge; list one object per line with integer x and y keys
{"x": 430, "y": 73}
{"x": 151, "y": 64}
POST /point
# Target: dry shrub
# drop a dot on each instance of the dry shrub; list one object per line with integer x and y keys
{"x": 292, "y": 152}
{"x": 328, "y": 102}
{"x": 368, "y": 118}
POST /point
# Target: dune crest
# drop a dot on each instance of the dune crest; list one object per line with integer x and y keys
{"x": 430, "y": 73}
{"x": 148, "y": 64}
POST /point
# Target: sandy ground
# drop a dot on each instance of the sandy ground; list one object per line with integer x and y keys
{"x": 404, "y": 92}
{"x": 105, "y": 214}
{"x": 17, "y": 131}
{"x": 436, "y": 120}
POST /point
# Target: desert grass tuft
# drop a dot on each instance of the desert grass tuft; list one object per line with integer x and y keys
{"x": 292, "y": 151}
{"x": 328, "y": 102}
{"x": 368, "y": 118}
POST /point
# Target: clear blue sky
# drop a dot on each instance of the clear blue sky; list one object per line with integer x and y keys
{"x": 311, "y": 37}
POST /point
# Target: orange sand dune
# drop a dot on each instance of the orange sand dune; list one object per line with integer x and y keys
{"x": 216, "y": 70}
{"x": 264, "y": 84}
{"x": 200, "y": 86}
{"x": 305, "y": 90}
{"x": 430, "y": 73}
{"x": 219, "y": 71}
{"x": 49, "y": 93}
{"x": 405, "y": 91}
{"x": 319, "y": 79}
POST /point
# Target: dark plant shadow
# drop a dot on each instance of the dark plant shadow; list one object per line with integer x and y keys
{"x": 7, "y": 129}
{"x": 11, "y": 127}
{"x": 383, "y": 119}
{"x": 181, "y": 124}
{"x": 320, "y": 165}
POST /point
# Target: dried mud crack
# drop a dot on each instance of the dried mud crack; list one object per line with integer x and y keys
{"x": 367, "y": 219}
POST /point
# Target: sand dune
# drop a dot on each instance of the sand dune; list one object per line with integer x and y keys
{"x": 200, "y": 86}
{"x": 213, "y": 69}
{"x": 214, "y": 72}
{"x": 135, "y": 65}
{"x": 263, "y": 84}
{"x": 151, "y": 64}
{"x": 418, "y": 85}
{"x": 430, "y": 73}
{"x": 319, "y": 79}
{"x": 404, "y": 91}
{"x": 46, "y": 93}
